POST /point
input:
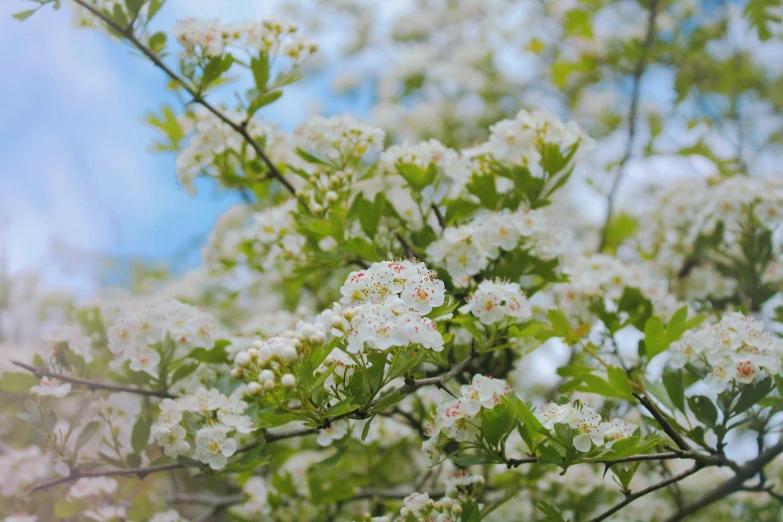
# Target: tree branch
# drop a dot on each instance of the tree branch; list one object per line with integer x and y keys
{"x": 667, "y": 427}
{"x": 439, "y": 381}
{"x": 93, "y": 385}
{"x": 646, "y": 491}
{"x": 206, "y": 499}
{"x": 734, "y": 484}
{"x": 638, "y": 72}
{"x": 76, "y": 473}
{"x": 513, "y": 463}
{"x": 127, "y": 32}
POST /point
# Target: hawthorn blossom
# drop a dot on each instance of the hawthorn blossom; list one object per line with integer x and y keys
{"x": 494, "y": 300}
{"x": 50, "y": 386}
{"x": 213, "y": 446}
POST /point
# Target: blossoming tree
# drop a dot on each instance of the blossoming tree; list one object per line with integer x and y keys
{"x": 409, "y": 319}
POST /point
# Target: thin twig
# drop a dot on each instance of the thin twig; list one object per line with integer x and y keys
{"x": 76, "y": 473}
{"x": 439, "y": 216}
{"x": 92, "y": 385}
{"x": 667, "y": 427}
{"x": 513, "y": 463}
{"x": 638, "y": 72}
{"x": 646, "y": 491}
{"x": 439, "y": 380}
{"x": 206, "y": 499}
{"x": 734, "y": 484}
{"x": 127, "y": 32}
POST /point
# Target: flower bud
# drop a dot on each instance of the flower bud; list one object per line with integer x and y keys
{"x": 269, "y": 385}
{"x": 237, "y": 373}
{"x": 265, "y": 376}
{"x": 242, "y": 359}
{"x": 288, "y": 380}
{"x": 254, "y": 388}
{"x": 289, "y": 354}
{"x": 331, "y": 196}
{"x": 457, "y": 509}
{"x": 253, "y": 353}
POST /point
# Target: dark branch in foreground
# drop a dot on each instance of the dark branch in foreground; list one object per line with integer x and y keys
{"x": 646, "y": 491}
{"x": 93, "y": 385}
{"x": 734, "y": 484}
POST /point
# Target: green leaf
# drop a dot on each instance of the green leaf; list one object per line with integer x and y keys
{"x": 483, "y": 187}
{"x": 260, "y": 68}
{"x": 523, "y": 413}
{"x": 157, "y": 42}
{"x": 417, "y": 177}
{"x": 704, "y": 409}
{"x": 497, "y": 423}
{"x": 550, "y": 513}
{"x": 675, "y": 388}
{"x": 17, "y": 382}
{"x": 24, "y": 15}
{"x": 619, "y": 381}
{"x": 751, "y": 394}
{"x": 183, "y": 371}
{"x": 90, "y": 429}
{"x": 140, "y": 435}
{"x": 655, "y": 341}
{"x": 217, "y": 355}
{"x": 677, "y": 325}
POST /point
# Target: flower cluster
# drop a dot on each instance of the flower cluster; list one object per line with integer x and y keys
{"x": 257, "y": 502}
{"x": 494, "y": 300}
{"x": 219, "y": 416}
{"x": 690, "y": 209}
{"x": 117, "y": 415}
{"x": 605, "y": 277}
{"x": 22, "y": 467}
{"x": 460, "y": 419}
{"x": 339, "y": 139}
{"x": 139, "y": 337}
{"x": 211, "y": 37}
{"x": 388, "y": 302}
{"x": 587, "y": 424}
{"x": 50, "y": 386}
{"x": 736, "y": 349}
{"x": 467, "y": 250}
{"x": 419, "y": 507}
{"x": 214, "y": 145}
{"x": 520, "y": 141}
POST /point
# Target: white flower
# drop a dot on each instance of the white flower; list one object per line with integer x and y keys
{"x": 415, "y": 502}
{"x": 213, "y": 447}
{"x": 494, "y": 300}
{"x": 171, "y": 439}
{"x": 91, "y": 487}
{"x": 586, "y": 423}
{"x": 336, "y": 431}
{"x": 52, "y": 387}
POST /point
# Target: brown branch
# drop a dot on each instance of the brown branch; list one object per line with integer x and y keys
{"x": 93, "y": 385}
{"x": 127, "y": 33}
{"x": 439, "y": 381}
{"x": 646, "y": 491}
{"x": 390, "y": 494}
{"x": 638, "y": 72}
{"x": 667, "y": 427}
{"x": 439, "y": 216}
{"x": 206, "y": 499}
{"x": 76, "y": 473}
{"x": 734, "y": 484}
{"x": 513, "y": 463}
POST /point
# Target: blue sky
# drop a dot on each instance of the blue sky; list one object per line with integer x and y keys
{"x": 77, "y": 167}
